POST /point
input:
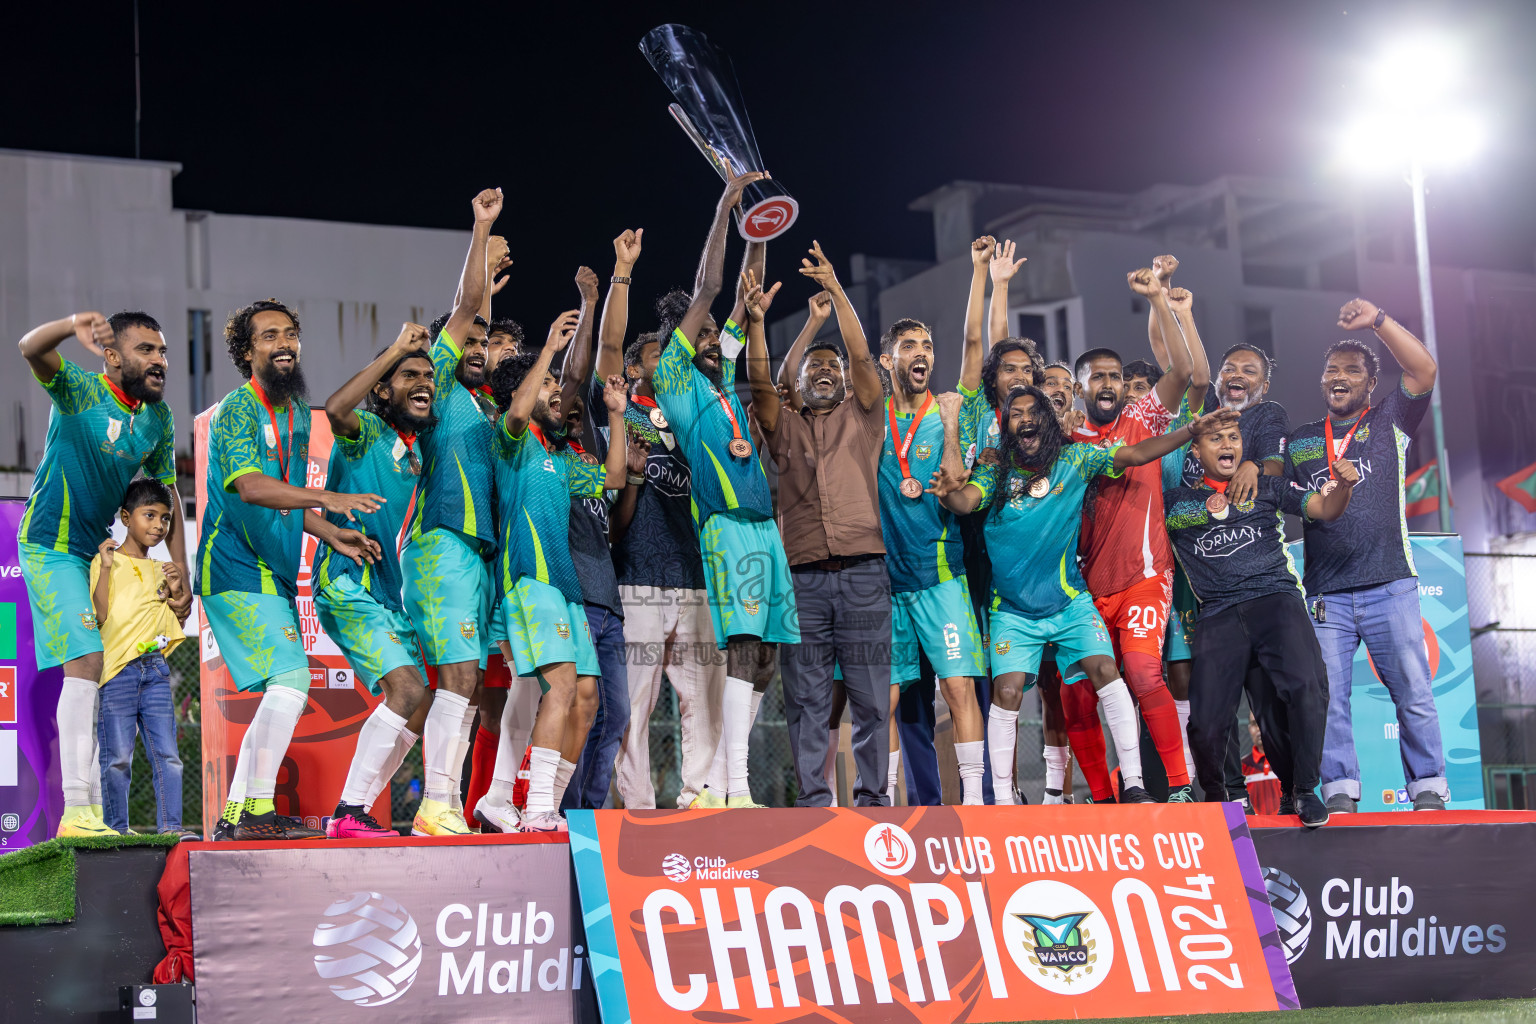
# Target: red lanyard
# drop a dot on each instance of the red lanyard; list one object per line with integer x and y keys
{"x": 540, "y": 435}
{"x": 133, "y": 407}
{"x": 282, "y": 457}
{"x": 738, "y": 441}
{"x": 1335, "y": 454}
{"x": 906, "y": 443}
{"x": 649, "y": 403}
{"x": 575, "y": 446}
{"x": 1219, "y": 486}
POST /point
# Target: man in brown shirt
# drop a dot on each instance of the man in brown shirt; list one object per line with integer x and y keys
{"x": 827, "y": 450}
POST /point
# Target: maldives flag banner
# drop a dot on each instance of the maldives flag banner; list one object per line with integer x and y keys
{"x": 1421, "y": 491}
{"x": 926, "y": 914}
{"x": 1520, "y": 487}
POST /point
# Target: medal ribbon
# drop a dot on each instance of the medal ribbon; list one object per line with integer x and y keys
{"x": 1335, "y": 454}
{"x": 1219, "y": 486}
{"x": 282, "y": 456}
{"x": 726, "y": 405}
{"x": 906, "y": 443}
{"x": 539, "y": 434}
{"x": 122, "y": 396}
{"x": 638, "y": 399}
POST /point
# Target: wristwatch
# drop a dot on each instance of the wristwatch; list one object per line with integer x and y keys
{"x": 1381, "y": 318}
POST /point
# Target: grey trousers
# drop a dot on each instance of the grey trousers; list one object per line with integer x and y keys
{"x": 845, "y": 622}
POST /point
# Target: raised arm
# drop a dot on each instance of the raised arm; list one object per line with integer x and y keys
{"x": 341, "y": 407}
{"x": 1183, "y": 303}
{"x": 497, "y": 259}
{"x": 527, "y": 394}
{"x": 1145, "y": 283}
{"x": 952, "y": 462}
{"x": 765, "y": 397}
{"x": 38, "y": 345}
{"x": 755, "y": 259}
{"x": 472, "y": 279}
{"x": 610, "y": 333}
{"x": 974, "y": 352}
{"x": 1419, "y": 369}
{"x": 1163, "y": 268}
{"x": 707, "y": 281}
{"x": 1003, "y": 268}
{"x": 1153, "y": 448}
{"x": 789, "y": 370}
{"x": 863, "y": 375}
{"x": 1322, "y": 506}
{"x": 616, "y": 400}
{"x": 629, "y": 498}
{"x": 580, "y": 356}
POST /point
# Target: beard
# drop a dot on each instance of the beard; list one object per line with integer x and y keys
{"x": 1101, "y": 416}
{"x": 715, "y": 373}
{"x": 406, "y": 421}
{"x": 904, "y": 380}
{"x": 283, "y": 386}
{"x": 812, "y": 400}
{"x": 136, "y": 385}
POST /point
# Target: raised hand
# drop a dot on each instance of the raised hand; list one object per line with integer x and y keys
{"x": 500, "y": 282}
{"x": 345, "y": 504}
{"x": 1180, "y": 300}
{"x": 562, "y": 330}
{"x": 1144, "y": 282}
{"x": 821, "y": 272}
{"x": 1164, "y": 266}
{"x": 626, "y": 248}
{"x": 820, "y": 305}
{"x": 1356, "y": 315}
{"x": 92, "y": 331}
{"x": 982, "y": 250}
{"x": 586, "y": 284}
{"x": 1004, "y": 266}
{"x": 737, "y": 185}
{"x": 949, "y": 404}
{"x": 496, "y": 250}
{"x": 356, "y": 546}
{"x": 487, "y": 206}
{"x": 756, "y": 299}
{"x": 615, "y": 394}
{"x": 944, "y": 482}
{"x": 639, "y": 451}
{"x": 413, "y": 338}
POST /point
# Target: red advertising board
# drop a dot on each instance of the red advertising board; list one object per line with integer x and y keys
{"x": 926, "y": 914}
{"x": 315, "y": 767}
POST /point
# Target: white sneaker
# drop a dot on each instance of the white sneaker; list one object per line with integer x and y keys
{"x": 551, "y": 822}
{"x": 498, "y": 819}
{"x": 1053, "y": 798}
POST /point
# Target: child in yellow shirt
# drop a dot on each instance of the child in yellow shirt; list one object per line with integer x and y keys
{"x": 140, "y": 605}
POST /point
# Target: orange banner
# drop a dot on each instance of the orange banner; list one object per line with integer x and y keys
{"x": 316, "y": 764}
{"x": 926, "y": 914}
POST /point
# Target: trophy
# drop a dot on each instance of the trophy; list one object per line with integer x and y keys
{"x": 709, "y": 109}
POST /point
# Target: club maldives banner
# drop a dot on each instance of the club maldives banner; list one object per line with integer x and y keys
{"x": 1448, "y": 642}
{"x": 925, "y": 914}
{"x": 481, "y": 929}
{"x": 315, "y": 766}
{"x": 1400, "y": 913}
{"x": 31, "y": 796}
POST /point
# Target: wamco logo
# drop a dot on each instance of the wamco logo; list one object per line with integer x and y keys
{"x": 372, "y": 949}
{"x": 1058, "y": 938}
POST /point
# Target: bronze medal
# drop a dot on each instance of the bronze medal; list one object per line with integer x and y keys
{"x": 1040, "y": 488}
{"x": 740, "y": 447}
{"x": 658, "y": 419}
{"x": 910, "y": 488}
{"x": 1327, "y": 488}
{"x": 1216, "y": 504}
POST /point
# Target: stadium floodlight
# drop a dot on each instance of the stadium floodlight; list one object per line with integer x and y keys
{"x": 1412, "y": 117}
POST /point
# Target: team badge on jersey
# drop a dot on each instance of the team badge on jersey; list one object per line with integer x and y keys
{"x": 114, "y": 429}
{"x": 1004, "y": 646}
{"x": 270, "y": 434}
{"x": 563, "y": 630}
{"x": 467, "y": 629}
{"x": 291, "y": 633}
{"x": 88, "y": 620}
{"x": 751, "y": 606}
{"x": 393, "y": 637}
{"x": 923, "y": 451}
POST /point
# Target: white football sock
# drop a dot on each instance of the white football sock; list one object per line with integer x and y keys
{"x": 404, "y": 741}
{"x": 1182, "y": 707}
{"x": 543, "y": 764}
{"x": 892, "y": 773}
{"x": 442, "y": 757}
{"x": 466, "y": 730}
{"x": 78, "y": 700}
{"x": 740, "y": 710}
{"x": 969, "y": 758}
{"x": 1002, "y": 741}
{"x": 517, "y": 716}
{"x": 375, "y": 743}
{"x": 1120, "y": 713}
{"x": 563, "y": 773}
{"x": 268, "y": 736}
{"x": 1055, "y": 771}
{"x": 831, "y": 770}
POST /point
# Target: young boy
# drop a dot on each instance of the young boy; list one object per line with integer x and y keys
{"x": 1252, "y": 611}
{"x": 141, "y": 605}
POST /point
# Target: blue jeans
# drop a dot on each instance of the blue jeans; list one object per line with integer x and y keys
{"x": 589, "y": 785}
{"x": 1387, "y": 619}
{"x": 137, "y": 701}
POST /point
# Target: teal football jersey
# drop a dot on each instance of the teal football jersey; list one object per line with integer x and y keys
{"x": 1032, "y": 536}
{"x": 95, "y": 446}
{"x": 536, "y": 487}
{"x": 923, "y": 547}
{"x": 458, "y": 471}
{"x": 377, "y": 461}
{"x": 245, "y": 547}
{"x": 696, "y": 411}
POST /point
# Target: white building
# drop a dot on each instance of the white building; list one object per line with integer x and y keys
{"x": 88, "y": 233}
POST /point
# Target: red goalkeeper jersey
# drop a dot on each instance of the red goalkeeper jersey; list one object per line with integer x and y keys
{"x": 1123, "y": 537}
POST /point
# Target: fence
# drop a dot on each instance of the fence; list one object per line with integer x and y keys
{"x": 1501, "y": 601}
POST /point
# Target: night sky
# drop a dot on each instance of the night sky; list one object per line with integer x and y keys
{"x": 374, "y": 112}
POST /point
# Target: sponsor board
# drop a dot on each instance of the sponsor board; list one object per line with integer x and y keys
{"x": 931, "y": 914}
{"x": 1404, "y": 913}
{"x": 480, "y": 931}
{"x": 315, "y": 765}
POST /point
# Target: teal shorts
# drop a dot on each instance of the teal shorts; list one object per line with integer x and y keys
{"x": 751, "y": 592}
{"x": 258, "y": 636}
{"x": 1077, "y": 631}
{"x": 375, "y": 639}
{"x": 543, "y": 628}
{"x": 939, "y": 622}
{"x": 1179, "y": 645}
{"x": 448, "y": 595}
{"x": 64, "y": 623}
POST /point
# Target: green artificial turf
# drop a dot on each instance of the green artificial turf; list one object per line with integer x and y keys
{"x": 37, "y": 885}
{"x": 1487, "y": 1011}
